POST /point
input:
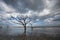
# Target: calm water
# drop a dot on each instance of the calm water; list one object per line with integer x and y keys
{"x": 16, "y": 31}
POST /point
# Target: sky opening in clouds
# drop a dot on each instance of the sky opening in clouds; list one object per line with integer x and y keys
{"x": 44, "y": 12}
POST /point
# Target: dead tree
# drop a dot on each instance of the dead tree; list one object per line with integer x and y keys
{"x": 23, "y": 20}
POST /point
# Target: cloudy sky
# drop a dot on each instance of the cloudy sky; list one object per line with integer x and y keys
{"x": 44, "y": 12}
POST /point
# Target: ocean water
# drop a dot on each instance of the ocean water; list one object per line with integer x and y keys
{"x": 19, "y": 31}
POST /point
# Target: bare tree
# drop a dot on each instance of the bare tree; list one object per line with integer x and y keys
{"x": 23, "y": 20}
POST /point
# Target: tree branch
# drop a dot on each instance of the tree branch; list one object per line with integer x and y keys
{"x": 17, "y": 20}
{"x": 28, "y": 21}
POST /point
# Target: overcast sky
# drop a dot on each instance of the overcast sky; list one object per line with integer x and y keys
{"x": 45, "y": 12}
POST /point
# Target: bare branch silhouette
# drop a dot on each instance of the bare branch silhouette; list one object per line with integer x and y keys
{"x": 24, "y": 20}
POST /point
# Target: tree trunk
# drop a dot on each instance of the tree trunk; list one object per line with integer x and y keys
{"x": 24, "y": 35}
{"x": 25, "y": 29}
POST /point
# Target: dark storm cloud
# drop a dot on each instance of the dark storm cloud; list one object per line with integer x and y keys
{"x": 23, "y": 5}
{"x": 35, "y": 5}
{"x": 1, "y": 9}
{"x": 55, "y": 12}
{"x": 56, "y": 18}
{"x": 40, "y": 10}
{"x": 57, "y": 5}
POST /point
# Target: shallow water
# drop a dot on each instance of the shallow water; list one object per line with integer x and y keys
{"x": 17, "y": 31}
